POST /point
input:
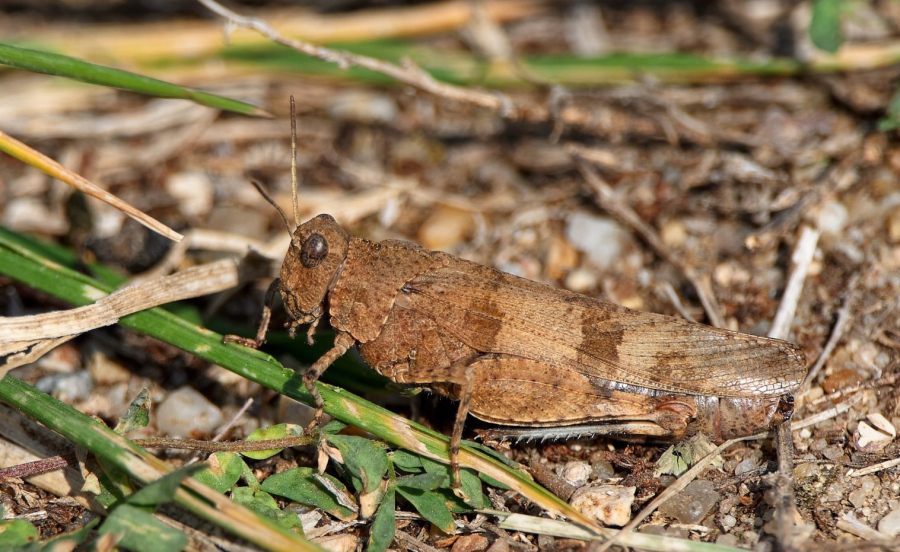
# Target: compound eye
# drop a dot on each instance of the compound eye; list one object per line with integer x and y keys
{"x": 314, "y": 251}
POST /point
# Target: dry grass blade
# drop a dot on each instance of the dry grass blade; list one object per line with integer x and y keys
{"x": 409, "y": 73}
{"x": 40, "y": 161}
{"x": 193, "y": 282}
{"x": 19, "y": 334}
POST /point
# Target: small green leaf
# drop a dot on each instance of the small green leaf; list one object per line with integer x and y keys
{"x": 825, "y": 25}
{"x": 263, "y": 504}
{"x": 363, "y": 458}
{"x": 222, "y": 471}
{"x": 384, "y": 525}
{"x": 141, "y": 531}
{"x": 334, "y": 426}
{"x": 300, "y": 485}
{"x": 64, "y": 66}
{"x": 138, "y": 415}
{"x": 470, "y": 484}
{"x": 431, "y": 505}
{"x": 423, "y": 482}
{"x": 407, "y": 461}
{"x": 163, "y": 489}
{"x": 17, "y": 534}
{"x": 278, "y": 431}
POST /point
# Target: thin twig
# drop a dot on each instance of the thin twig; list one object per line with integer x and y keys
{"x": 607, "y": 199}
{"x": 413, "y": 542}
{"x": 231, "y": 423}
{"x": 802, "y": 258}
{"x": 849, "y": 523}
{"x": 826, "y": 414}
{"x": 408, "y": 73}
{"x": 843, "y": 317}
{"x": 874, "y": 468}
{"x": 226, "y": 446}
{"x": 28, "y": 469}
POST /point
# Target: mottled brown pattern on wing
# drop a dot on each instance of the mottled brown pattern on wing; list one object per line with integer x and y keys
{"x": 495, "y": 312}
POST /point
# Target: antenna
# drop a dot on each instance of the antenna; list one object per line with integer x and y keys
{"x": 262, "y": 192}
{"x": 294, "y": 162}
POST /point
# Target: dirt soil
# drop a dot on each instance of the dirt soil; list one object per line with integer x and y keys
{"x": 729, "y": 175}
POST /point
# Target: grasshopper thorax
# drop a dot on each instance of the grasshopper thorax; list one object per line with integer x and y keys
{"x": 311, "y": 267}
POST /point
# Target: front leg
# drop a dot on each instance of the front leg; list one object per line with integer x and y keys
{"x": 263, "y": 323}
{"x": 342, "y": 342}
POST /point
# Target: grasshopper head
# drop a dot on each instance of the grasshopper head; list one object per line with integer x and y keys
{"x": 311, "y": 266}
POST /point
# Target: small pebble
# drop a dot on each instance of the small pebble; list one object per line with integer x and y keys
{"x": 893, "y": 225}
{"x": 363, "y": 106}
{"x": 445, "y": 227}
{"x": 889, "y": 525}
{"x": 602, "y": 469}
{"x": 581, "y": 280}
{"x": 107, "y": 372}
{"x": 185, "y": 411}
{"x": 600, "y": 238}
{"x": 68, "y": 388}
{"x": 576, "y": 473}
{"x": 833, "y": 493}
{"x": 728, "y": 522}
{"x": 857, "y": 497}
{"x": 841, "y": 379}
{"x": 693, "y": 503}
{"x": 673, "y": 233}
{"x": 833, "y": 452}
{"x": 746, "y": 465}
{"x": 832, "y": 217}
{"x": 608, "y": 504}
{"x": 871, "y": 485}
{"x": 470, "y": 543}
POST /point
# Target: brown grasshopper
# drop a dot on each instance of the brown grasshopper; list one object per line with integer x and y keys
{"x": 518, "y": 353}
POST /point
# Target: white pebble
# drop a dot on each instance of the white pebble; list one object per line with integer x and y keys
{"x": 889, "y": 525}
{"x": 728, "y": 522}
{"x": 68, "y": 388}
{"x": 608, "y": 504}
{"x": 363, "y": 106}
{"x": 576, "y": 473}
{"x": 832, "y": 217}
{"x": 185, "y": 411}
{"x": 581, "y": 280}
{"x": 600, "y": 238}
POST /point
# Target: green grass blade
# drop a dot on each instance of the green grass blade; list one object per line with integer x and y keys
{"x": 141, "y": 465}
{"x": 64, "y": 66}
